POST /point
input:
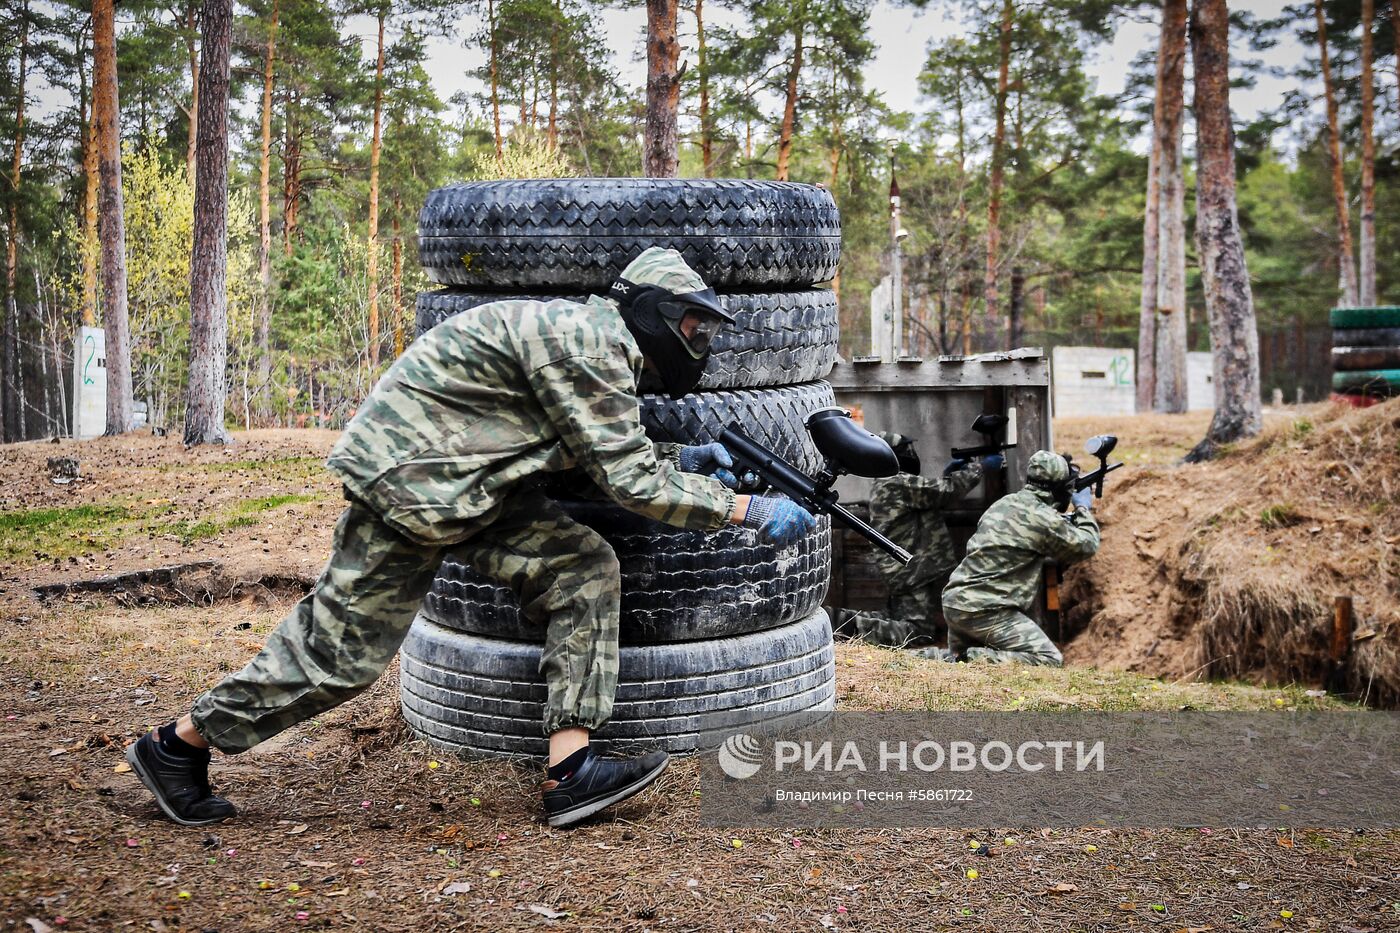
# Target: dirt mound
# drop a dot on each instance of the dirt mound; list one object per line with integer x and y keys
{"x": 1230, "y": 568}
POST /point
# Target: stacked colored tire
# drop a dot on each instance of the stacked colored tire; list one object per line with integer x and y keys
{"x": 720, "y": 632}
{"x": 1365, "y": 354}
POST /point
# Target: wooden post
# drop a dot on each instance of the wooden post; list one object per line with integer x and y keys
{"x": 1339, "y": 647}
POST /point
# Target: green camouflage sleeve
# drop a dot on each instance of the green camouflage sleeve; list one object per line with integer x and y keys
{"x": 934, "y": 493}
{"x": 1070, "y": 538}
{"x": 592, "y": 402}
{"x": 671, "y": 453}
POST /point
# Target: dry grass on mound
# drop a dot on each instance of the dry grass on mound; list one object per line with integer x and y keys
{"x": 1230, "y": 568}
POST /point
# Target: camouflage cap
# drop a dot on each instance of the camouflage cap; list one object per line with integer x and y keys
{"x": 1047, "y": 469}
{"x": 664, "y": 268}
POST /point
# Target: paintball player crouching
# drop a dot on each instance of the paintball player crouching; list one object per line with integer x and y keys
{"x": 909, "y": 508}
{"x": 989, "y": 593}
{"x": 440, "y": 456}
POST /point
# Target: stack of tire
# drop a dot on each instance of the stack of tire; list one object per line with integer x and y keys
{"x": 1365, "y": 354}
{"x": 719, "y": 632}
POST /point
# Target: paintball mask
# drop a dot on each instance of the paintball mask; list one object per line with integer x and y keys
{"x": 904, "y": 452}
{"x": 654, "y": 314}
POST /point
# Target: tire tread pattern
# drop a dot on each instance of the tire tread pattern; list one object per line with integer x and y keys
{"x": 777, "y": 337}
{"x": 581, "y": 232}
{"x": 484, "y": 696}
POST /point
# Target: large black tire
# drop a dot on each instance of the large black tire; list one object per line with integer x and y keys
{"x": 677, "y": 585}
{"x": 1366, "y": 317}
{"x": 774, "y": 417}
{"x": 484, "y": 696}
{"x": 580, "y": 232}
{"x": 777, "y": 337}
{"x": 1352, "y": 359}
{"x": 1366, "y": 337}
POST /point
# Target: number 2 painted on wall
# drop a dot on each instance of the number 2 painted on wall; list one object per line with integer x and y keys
{"x": 1119, "y": 368}
{"x": 92, "y": 351}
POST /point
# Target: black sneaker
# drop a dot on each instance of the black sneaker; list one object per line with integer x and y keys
{"x": 598, "y": 783}
{"x": 180, "y": 784}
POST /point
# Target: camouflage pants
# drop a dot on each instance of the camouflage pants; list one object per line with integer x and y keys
{"x": 913, "y": 616}
{"x": 340, "y": 636}
{"x": 1001, "y": 636}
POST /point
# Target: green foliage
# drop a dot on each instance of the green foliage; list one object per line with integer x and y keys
{"x": 243, "y": 514}
{"x": 158, "y": 199}
{"x": 525, "y": 155}
{"x": 35, "y": 534}
{"x": 1279, "y": 515}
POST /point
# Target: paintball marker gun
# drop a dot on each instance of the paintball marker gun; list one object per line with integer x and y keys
{"x": 846, "y": 447}
{"x": 1100, "y": 445}
{"x": 989, "y": 426}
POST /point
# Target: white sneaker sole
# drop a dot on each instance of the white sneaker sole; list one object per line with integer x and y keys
{"x": 585, "y": 810}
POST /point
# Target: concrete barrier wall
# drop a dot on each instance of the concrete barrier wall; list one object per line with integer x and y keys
{"x": 1200, "y": 382}
{"x": 1093, "y": 381}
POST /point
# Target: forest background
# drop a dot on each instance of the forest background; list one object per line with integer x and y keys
{"x": 321, "y": 270}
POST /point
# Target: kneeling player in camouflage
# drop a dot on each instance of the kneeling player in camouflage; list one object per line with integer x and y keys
{"x": 442, "y": 455}
{"x": 909, "y": 508}
{"x": 986, "y": 600}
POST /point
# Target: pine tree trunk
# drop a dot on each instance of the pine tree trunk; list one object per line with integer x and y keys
{"x": 1151, "y": 230}
{"x": 1169, "y": 394}
{"x": 206, "y": 393}
{"x": 1366, "y": 292}
{"x": 661, "y": 153}
{"x": 372, "y": 261}
{"x": 706, "y": 130}
{"x": 552, "y": 131}
{"x": 1229, "y": 302}
{"x": 1395, "y": 27}
{"x": 790, "y": 100}
{"x": 111, "y": 223}
{"x": 1345, "y": 265}
{"x": 397, "y": 274}
{"x": 90, "y": 182}
{"x": 264, "y": 336}
{"x": 191, "y": 22}
{"x": 291, "y": 178}
{"x": 495, "y": 83}
{"x": 1015, "y": 308}
{"x": 12, "y": 411}
{"x": 998, "y": 175}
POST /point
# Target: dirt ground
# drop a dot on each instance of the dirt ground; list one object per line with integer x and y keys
{"x": 1231, "y": 568}
{"x": 349, "y": 824}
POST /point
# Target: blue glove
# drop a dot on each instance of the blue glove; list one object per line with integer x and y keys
{"x": 993, "y": 462}
{"x": 954, "y": 466}
{"x": 1083, "y": 499}
{"x": 711, "y": 460}
{"x": 779, "y": 522}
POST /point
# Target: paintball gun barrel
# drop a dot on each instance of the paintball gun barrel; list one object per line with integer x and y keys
{"x": 989, "y": 426}
{"x": 846, "y": 447}
{"x": 1100, "y": 446}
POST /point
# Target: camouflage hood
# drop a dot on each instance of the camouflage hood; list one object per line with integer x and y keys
{"x": 663, "y": 268}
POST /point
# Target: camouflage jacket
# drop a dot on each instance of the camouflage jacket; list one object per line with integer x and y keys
{"x": 909, "y": 510}
{"x": 500, "y": 394}
{"x": 1003, "y": 562}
